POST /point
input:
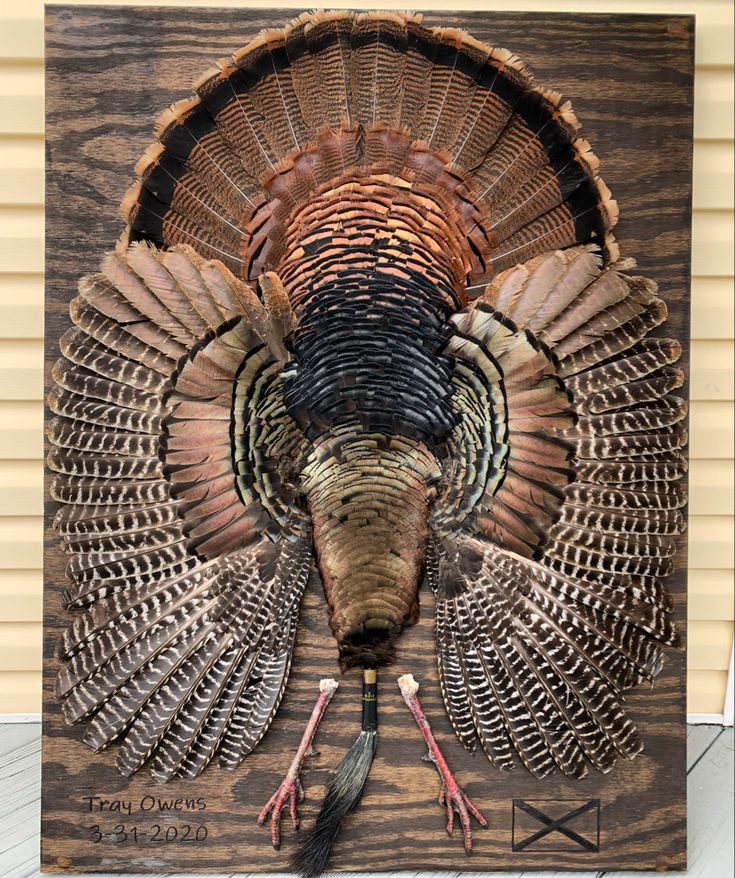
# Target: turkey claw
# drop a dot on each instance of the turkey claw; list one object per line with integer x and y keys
{"x": 290, "y": 792}
{"x": 452, "y": 797}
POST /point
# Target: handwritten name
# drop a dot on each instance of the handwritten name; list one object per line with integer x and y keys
{"x": 147, "y": 803}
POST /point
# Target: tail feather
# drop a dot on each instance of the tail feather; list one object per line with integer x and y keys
{"x": 328, "y": 39}
{"x": 376, "y": 64}
{"x": 472, "y": 110}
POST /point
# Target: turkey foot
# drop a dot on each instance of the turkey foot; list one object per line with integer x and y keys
{"x": 451, "y": 795}
{"x": 290, "y": 791}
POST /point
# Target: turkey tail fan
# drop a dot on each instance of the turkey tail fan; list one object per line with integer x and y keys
{"x": 258, "y": 136}
{"x": 188, "y": 547}
{"x": 549, "y": 558}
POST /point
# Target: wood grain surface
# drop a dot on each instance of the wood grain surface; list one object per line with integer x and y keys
{"x": 109, "y": 73}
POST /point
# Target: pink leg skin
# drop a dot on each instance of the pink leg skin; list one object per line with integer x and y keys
{"x": 290, "y": 792}
{"x": 451, "y": 796}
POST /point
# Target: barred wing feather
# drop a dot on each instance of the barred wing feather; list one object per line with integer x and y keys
{"x": 549, "y": 588}
{"x": 189, "y": 551}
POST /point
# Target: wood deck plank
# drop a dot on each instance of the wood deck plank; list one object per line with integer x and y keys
{"x": 20, "y": 799}
{"x": 699, "y": 740}
{"x": 710, "y": 809}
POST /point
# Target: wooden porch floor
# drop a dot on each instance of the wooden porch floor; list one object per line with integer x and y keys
{"x": 710, "y": 769}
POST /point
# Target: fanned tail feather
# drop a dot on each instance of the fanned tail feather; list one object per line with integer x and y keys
{"x": 334, "y": 92}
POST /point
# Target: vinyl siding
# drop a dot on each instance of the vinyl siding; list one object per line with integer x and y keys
{"x": 21, "y": 348}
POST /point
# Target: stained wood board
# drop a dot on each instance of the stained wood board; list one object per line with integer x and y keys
{"x": 709, "y": 769}
{"x": 110, "y": 71}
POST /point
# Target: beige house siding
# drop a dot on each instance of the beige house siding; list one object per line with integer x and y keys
{"x": 21, "y": 347}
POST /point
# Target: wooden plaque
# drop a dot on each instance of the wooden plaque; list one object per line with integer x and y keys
{"x": 109, "y": 72}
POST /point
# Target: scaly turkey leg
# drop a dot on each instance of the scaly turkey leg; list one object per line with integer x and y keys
{"x": 451, "y": 796}
{"x": 290, "y": 790}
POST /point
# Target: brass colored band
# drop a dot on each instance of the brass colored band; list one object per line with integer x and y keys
{"x": 369, "y": 701}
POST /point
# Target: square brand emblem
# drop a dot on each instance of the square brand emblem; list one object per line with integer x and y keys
{"x": 566, "y": 825}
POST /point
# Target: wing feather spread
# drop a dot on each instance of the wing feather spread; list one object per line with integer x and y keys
{"x": 186, "y": 566}
{"x": 551, "y": 599}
